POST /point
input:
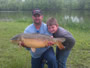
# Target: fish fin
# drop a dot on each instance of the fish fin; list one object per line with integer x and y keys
{"x": 60, "y": 45}
{"x": 19, "y": 43}
{"x": 33, "y": 49}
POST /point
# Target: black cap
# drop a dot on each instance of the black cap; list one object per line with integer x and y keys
{"x": 36, "y": 11}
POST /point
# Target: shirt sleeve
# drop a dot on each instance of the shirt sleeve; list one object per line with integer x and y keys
{"x": 69, "y": 43}
{"x": 27, "y": 30}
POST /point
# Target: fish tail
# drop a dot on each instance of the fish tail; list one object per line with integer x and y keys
{"x": 60, "y": 45}
{"x": 58, "y": 42}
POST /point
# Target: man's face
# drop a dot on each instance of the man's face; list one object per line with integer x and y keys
{"x": 52, "y": 28}
{"x": 37, "y": 18}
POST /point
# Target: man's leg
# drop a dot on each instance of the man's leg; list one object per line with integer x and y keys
{"x": 62, "y": 56}
{"x": 37, "y": 63}
{"x": 50, "y": 57}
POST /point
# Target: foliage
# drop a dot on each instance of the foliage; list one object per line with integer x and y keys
{"x": 43, "y": 4}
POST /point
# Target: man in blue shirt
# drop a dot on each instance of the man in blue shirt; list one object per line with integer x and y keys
{"x": 46, "y": 53}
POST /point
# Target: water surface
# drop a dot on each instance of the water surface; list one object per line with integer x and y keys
{"x": 63, "y": 16}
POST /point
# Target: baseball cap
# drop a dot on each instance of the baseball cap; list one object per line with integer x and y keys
{"x": 36, "y": 11}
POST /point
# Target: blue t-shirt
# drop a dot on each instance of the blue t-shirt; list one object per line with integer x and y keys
{"x": 43, "y": 30}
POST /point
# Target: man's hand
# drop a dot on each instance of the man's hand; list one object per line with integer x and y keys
{"x": 21, "y": 44}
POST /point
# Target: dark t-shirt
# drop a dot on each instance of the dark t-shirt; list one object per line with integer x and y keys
{"x": 62, "y": 33}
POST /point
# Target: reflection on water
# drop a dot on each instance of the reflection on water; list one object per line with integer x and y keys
{"x": 14, "y": 15}
{"x": 6, "y": 19}
{"x": 23, "y": 0}
{"x": 74, "y": 18}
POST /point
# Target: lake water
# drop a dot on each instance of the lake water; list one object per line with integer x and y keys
{"x": 63, "y": 16}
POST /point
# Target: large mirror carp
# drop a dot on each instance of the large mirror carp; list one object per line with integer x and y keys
{"x": 36, "y": 40}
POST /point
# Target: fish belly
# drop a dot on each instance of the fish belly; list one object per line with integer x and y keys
{"x": 35, "y": 43}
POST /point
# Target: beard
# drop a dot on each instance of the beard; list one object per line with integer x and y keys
{"x": 37, "y": 23}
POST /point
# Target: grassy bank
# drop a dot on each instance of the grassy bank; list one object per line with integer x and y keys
{"x": 13, "y": 56}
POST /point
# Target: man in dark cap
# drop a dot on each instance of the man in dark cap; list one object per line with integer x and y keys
{"x": 46, "y": 53}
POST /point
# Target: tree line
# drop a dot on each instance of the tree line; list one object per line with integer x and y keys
{"x": 44, "y": 4}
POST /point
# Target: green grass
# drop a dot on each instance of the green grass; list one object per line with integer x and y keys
{"x": 13, "y": 56}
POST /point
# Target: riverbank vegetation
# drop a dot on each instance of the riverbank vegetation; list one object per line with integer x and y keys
{"x": 17, "y": 5}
